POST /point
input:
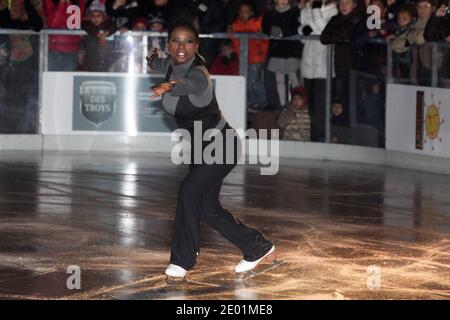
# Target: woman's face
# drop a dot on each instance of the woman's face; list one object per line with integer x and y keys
{"x": 297, "y": 101}
{"x": 346, "y": 6}
{"x": 281, "y": 3}
{"x": 157, "y": 27}
{"x": 96, "y": 17}
{"x": 424, "y": 9}
{"x": 182, "y": 45}
{"x": 245, "y": 12}
{"x": 337, "y": 109}
{"x": 160, "y": 3}
{"x": 403, "y": 19}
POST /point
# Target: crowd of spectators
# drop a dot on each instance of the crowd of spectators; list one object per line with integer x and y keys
{"x": 276, "y": 68}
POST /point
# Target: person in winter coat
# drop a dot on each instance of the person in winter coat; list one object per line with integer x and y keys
{"x": 124, "y": 12}
{"x": 227, "y": 62}
{"x": 63, "y": 49}
{"x": 211, "y": 19}
{"x": 294, "y": 120}
{"x": 401, "y": 42}
{"x": 339, "y": 130}
{"x": 313, "y": 18}
{"x": 99, "y": 51}
{"x": 24, "y": 14}
{"x": 438, "y": 27}
{"x": 338, "y": 32}
{"x": 247, "y": 21}
{"x": 159, "y": 43}
{"x": 371, "y": 56}
{"x": 171, "y": 11}
{"x": 281, "y": 20}
{"x": 422, "y": 54}
{"x": 19, "y": 66}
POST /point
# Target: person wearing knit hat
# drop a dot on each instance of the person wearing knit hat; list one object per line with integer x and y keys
{"x": 97, "y": 13}
{"x": 157, "y": 24}
{"x": 97, "y": 6}
{"x": 140, "y": 24}
{"x": 98, "y": 50}
{"x": 294, "y": 120}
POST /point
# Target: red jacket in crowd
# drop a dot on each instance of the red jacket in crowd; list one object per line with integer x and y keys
{"x": 225, "y": 66}
{"x": 257, "y": 50}
{"x": 57, "y": 19}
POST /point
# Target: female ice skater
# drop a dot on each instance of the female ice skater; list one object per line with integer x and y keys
{"x": 188, "y": 95}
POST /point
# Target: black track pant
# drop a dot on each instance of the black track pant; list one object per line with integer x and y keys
{"x": 198, "y": 199}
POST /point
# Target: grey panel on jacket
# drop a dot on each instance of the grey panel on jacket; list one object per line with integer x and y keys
{"x": 196, "y": 84}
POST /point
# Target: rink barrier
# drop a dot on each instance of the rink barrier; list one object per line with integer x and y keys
{"x": 289, "y": 149}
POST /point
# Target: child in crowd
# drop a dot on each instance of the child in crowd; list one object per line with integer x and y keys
{"x": 284, "y": 56}
{"x": 140, "y": 24}
{"x": 99, "y": 52}
{"x": 157, "y": 24}
{"x": 338, "y": 123}
{"x": 227, "y": 62}
{"x": 247, "y": 21}
{"x": 401, "y": 41}
{"x": 294, "y": 120}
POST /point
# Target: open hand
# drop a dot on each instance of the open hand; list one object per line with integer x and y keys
{"x": 160, "y": 89}
{"x": 102, "y": 39}
{"x": 118, "y": 3}
{"x": 154, "y": 55}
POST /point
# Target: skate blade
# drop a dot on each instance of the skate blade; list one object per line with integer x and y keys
{"x": 259, "y": 269}
{"x": 175, "y": 281}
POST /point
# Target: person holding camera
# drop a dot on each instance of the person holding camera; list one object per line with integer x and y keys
{"x": 438, "y": 27}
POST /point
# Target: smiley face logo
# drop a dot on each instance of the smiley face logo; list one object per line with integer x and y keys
{"x": 432, "y": 122}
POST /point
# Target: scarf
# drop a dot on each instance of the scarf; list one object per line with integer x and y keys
{"x": 281, "y": 9}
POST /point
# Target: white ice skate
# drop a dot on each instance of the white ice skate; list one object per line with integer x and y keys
{"x": 175, "y": 271}
{"x": 245, "y": 265}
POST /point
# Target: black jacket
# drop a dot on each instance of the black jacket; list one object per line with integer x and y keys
{"x": 34, "y": 20}
{"x": 288, "y": 22}
{"x": 338, "y": 31}
{"x": 437, "y": 29}
{"x": 211, "y": 16}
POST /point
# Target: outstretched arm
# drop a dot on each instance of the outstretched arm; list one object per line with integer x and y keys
{"x": 195, "y": 83}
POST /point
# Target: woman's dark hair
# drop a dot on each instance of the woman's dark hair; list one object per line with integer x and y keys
{"x": 408, "y": 8}
{"x": 271, "y": 4}
{"x": 249, "y": 3}
{"x": 188, "y": 26}
{"x": 252, "y": 4}
{"x": 184, "y": 25}
{"x": 385, "y": 3}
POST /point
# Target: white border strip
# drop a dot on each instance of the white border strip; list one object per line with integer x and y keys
{"x": 288, "y": 149}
